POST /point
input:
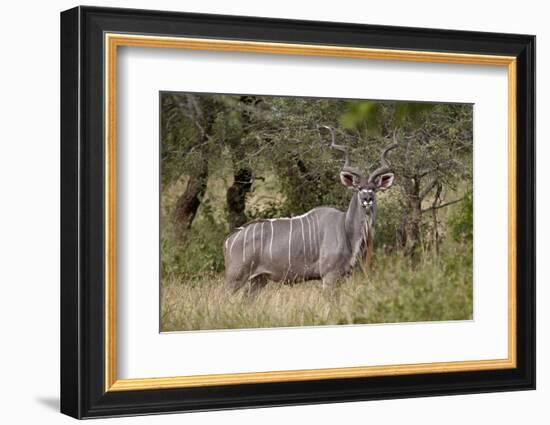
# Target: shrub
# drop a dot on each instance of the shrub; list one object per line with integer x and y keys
{"x": 461, "y": 222}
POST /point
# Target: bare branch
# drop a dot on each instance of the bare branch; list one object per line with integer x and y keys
{"x": 443, "y": 205}
{"x": 197, "y": 146}
{"x": 428, "y": 188}
{"x": 192, "y": 105}
{"x": 437, "y": 167}
{"x": 192, "y": 102}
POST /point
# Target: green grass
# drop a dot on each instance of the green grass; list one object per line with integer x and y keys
{"x": 433, "y": 289}
{"x": 193, "y": 296}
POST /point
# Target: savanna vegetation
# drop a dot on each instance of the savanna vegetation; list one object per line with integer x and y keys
{"x": 226, "y": 160}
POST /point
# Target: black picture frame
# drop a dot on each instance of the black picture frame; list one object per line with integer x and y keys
{"x": 83, "y": 392}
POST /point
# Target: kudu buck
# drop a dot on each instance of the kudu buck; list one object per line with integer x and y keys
{"x": 324, "y": 243}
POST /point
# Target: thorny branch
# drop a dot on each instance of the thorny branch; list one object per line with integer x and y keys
{"x": 443, "y": 205}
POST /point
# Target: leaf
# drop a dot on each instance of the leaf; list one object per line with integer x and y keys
{"x": 362, "y": 115}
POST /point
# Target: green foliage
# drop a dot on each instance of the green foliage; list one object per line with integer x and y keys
{"x": 370, "y": 117}
{"x": 192, "y": 260}
{"x": 282, "y": 142}
{"x": 363, "y": 116}
{"x": 461, "y": 223}
{"x": 271, "y": 209}
{"x": 280, "y": 138}
{"x": 199, "y": 254}
{"x": 437, "y": 288}
{"x": 389, "y": 219}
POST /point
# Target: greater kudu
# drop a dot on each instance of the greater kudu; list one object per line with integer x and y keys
{"x": 324, "y": 243}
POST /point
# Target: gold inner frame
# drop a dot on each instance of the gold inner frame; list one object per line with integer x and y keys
{"x": 113, "y": 41}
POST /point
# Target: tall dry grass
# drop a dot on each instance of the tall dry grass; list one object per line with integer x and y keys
{"x": 395, "y": 290}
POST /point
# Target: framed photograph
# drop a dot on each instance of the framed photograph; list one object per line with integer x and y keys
{"x": 261, "y": 212}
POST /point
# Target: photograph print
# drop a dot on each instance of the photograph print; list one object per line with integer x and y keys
{"x": 291, "y": 211}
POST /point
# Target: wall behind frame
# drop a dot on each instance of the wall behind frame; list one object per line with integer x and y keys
{"x": 29, "y": 217}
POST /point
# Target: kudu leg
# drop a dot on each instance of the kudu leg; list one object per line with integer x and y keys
{"x": 331, "y": 282}
{"x": 255, "y": 285}
{"x": 235, "y": 281}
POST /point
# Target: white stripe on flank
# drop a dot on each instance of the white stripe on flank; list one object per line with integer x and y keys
{"x": 250, "y": 271}
{"x": 291, "y": 218}
{"x": 303, "y": 237}
{"x": 254, "y": 239}
{"x": 289, "y": 243}
{"x": 303, "y": 215}
{"x": 271, "y": 242}
{"x": 262, "y": 239}
{"x": 234, "y": 240}
{"x": 317, "y": 235}
{"x": 244, "y": 244}
{"x": 316, "y": 243}
{"x": 309, "y": 234}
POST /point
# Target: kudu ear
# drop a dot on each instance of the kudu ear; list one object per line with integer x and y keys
{"x": 349, "y": 180}
{"x": 384, "y": 181}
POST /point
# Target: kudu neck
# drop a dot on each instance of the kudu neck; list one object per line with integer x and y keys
{"x": 357, "y": 218}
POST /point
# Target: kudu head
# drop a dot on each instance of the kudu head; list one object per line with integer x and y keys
{"x": 366, "y": 187}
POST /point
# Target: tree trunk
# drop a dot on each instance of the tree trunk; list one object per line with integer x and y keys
{"x": 435, "y": 204}
{"x": 236, "y": 197}
{"x": 202, "y": 112}
{"x": 189, "y": 201}
{"x": 242, "y": 174}
{"x": 410, "y": 231}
